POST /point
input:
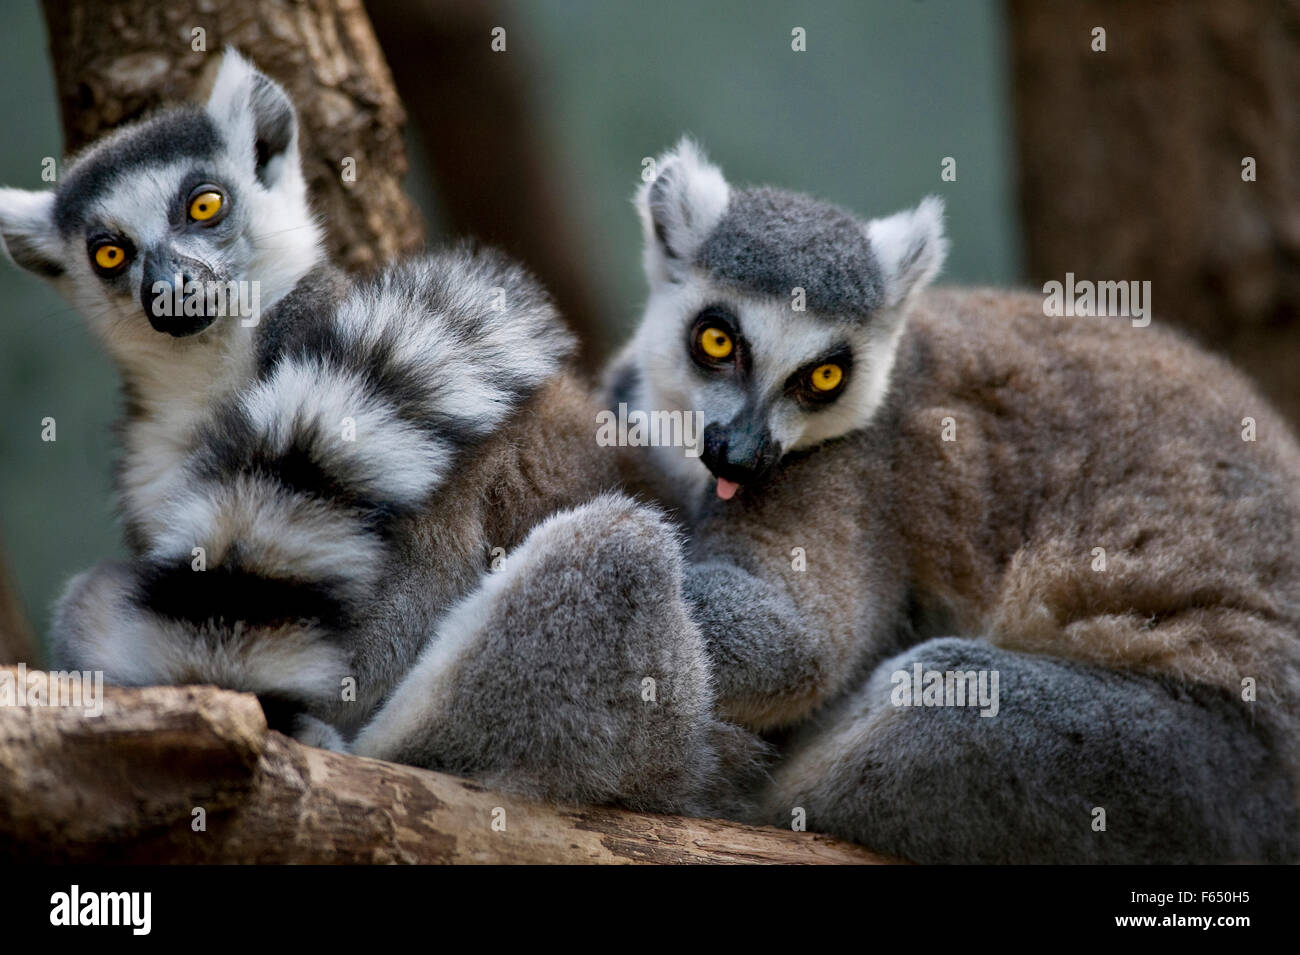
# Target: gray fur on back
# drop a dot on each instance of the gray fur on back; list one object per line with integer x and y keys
{"x": 770, "y": 242}
{"x": 1181, "y": 772}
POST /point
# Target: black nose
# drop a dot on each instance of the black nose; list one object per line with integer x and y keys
{"x": 742, "y": 451}
{"x": 165, "y": 303}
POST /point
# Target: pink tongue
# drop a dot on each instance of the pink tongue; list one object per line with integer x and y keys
{"x": 727, "y": 489}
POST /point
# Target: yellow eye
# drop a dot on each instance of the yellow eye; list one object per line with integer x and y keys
{"x": 827, "y": 377}
{"x": 110, "y": 257}
{"x": 205, "y": 205}
{"x": 715, "y": 343}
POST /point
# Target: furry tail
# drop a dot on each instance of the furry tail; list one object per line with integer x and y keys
{"x": 284, "y": 515}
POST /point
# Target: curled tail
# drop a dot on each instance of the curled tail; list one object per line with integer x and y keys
{"x": 275, "y": 538}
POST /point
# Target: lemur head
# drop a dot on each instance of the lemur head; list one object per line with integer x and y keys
{"x": 773, "y": 316}
{"x": 211, "y": 194}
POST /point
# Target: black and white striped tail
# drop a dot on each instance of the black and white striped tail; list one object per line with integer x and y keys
{"x": 279, "y": 531}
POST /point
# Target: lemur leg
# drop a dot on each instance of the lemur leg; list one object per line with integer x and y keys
{"x": 311, "y": 731}
{"x": 1183, "y": 775}
{"x": 574, "y": 674}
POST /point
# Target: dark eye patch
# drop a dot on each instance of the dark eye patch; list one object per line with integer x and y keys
{"x": 721, "y": 317}
{"x": 178, "y": 134}
{"x": 799, "y": 385}
{"x": 101, "y": 237}
{"x": 178, "y": 211}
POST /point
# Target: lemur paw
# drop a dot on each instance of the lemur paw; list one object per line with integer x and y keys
{"x": 313, "y": 732}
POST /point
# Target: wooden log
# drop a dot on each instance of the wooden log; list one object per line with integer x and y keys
{"x": 134, "y": 783}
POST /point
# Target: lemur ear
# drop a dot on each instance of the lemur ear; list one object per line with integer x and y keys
{"x": 910, "y": 247}
{"x": 257, "y": 117}
{"x": 679, "y": 208}
{"x": 27, "y": 231}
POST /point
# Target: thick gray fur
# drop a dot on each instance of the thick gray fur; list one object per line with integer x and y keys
{"x": 574, "y": 672}
{"x": 769, "y": 242}
{"x": 1181, "y": 773}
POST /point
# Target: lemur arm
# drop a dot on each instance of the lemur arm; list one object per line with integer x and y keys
{"x": 769, "y": 665}
{"x": 780, "y": 650}
{"x": 793, "y": 598}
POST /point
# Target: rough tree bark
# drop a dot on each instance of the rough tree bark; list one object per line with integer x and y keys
{"x": 116, "y": 59}
{"x": 126, "y": 786}
{"x": 1131, "y": 163}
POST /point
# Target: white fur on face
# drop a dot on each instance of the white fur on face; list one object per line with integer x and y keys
{"x": 679, "y": 210}
{"x": 284, "y": 238}
{"x": 268, "y": 235}
{"x": 780, "y": 341}
{"x": 277, "y": 242}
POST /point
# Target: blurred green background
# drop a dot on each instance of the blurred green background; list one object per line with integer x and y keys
{"x": 864, "y": 118}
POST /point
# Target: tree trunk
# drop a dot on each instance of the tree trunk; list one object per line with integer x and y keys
{"x": 116, "y": 59}
{"x": 16, "y": 643}
{"x": 1131, "y": 164}
{"x": 193, "y": 775}
{"x": 473, "y": 112}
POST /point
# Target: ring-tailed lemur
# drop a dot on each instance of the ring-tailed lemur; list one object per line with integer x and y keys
{"x": 316, "y": 499}
{"x": 896, "y": 483}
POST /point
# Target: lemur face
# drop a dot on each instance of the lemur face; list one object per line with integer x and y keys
{"x": 763, "y": 380}
{"x": 772, "y": 316}
{"x": 179, "y": 225}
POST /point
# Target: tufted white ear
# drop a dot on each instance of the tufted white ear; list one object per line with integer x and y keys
{"x": 910, "y": 247}
{"x": 679, "y": 208}
{"x": 256, "y": 117}
{"x": 27, "y": 232}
